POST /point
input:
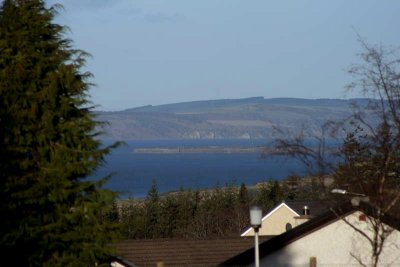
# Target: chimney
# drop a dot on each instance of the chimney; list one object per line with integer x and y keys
{"x": 305, "y": 216}
{"x": 306, "y": 211}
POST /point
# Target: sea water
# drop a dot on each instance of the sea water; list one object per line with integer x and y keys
{"x": 133, "y": 173}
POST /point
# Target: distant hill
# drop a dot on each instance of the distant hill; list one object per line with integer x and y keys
{"x": 246, "y": 118}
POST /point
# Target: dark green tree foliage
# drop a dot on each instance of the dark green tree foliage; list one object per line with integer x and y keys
{"x": 132, "y": 219}
{"x": 188, "y": 205}
{"x": 270, "y": 194}
{"x": 276, "y": 193}
{"x": 220, "y": 212}
{"x": 216, "y": 214}
{"x": 178, "y": 211}
{"x": 243, "y": 194}
{"x": 169, "y": 215}
{"x": 49, "y": 211}
{"x": 152, "y": 209}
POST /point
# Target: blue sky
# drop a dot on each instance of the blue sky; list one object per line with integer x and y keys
{"x": 150, "y": 52}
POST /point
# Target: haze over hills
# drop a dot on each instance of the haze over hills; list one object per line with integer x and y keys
{"x": 248, "y": 118}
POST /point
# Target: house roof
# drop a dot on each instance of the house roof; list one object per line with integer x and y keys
{"x": 181, "y": 252}
{"x": 315, "y": 209}
{"x": 328, "y": 217}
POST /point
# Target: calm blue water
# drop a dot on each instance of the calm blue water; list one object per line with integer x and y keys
{"x": 134, "y": 172}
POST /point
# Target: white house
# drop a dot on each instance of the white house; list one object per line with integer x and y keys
{"x": 285, "y": 216}
{"x": 276, "y": 221}
{"x": 326, "y": 240}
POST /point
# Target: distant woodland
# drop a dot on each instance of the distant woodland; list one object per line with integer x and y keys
{"x": 219, "y": 212}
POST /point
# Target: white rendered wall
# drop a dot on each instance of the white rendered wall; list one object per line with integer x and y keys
{"x": 333, "y": 245}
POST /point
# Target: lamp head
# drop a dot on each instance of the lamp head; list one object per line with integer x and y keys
{"x": 255, "y": 216}
{"x": 338, "y": 191}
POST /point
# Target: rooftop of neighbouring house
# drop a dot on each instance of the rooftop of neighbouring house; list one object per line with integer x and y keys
{"x": 328, "y": 216}
{"x": 315, "y": 207}
{"x": 182, "y": 252}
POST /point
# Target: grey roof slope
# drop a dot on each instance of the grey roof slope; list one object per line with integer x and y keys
{"x": 315, "y": 207}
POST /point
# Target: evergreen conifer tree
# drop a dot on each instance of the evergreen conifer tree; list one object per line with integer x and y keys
{"x": 49, "y": 211}
{"x": 152, "y": 208}
{"x": 243, "y": 194}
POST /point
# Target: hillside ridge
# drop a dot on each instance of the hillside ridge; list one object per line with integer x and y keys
{"x": 245, "y": 118}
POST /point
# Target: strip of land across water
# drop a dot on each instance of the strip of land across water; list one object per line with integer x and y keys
{"x": 192, "y": 150}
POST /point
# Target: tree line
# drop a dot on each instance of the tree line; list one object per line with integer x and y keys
{"x": 218, "y": 212}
